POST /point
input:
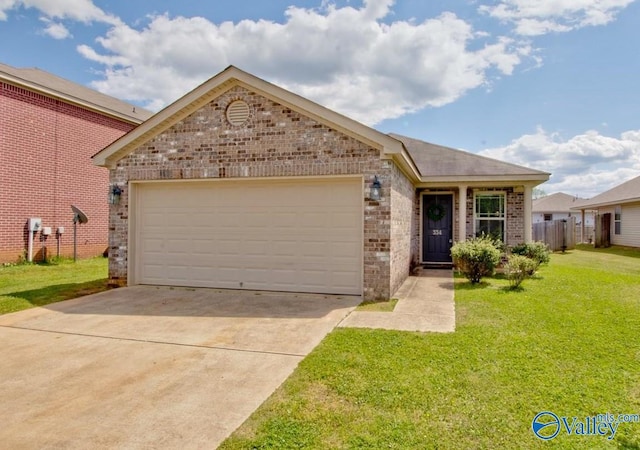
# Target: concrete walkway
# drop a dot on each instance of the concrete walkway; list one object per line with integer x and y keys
{"x": 425, "y": 304}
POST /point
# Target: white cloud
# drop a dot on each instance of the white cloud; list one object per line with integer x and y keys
{"x": 584, "y": 165}
{"x": 79, "y": 10}
{"x": 345, "y": 58}
{"x": 55, "y": 30}
{"x": 6, "y": 5}
{"x": 532, "y": 18}
{"x": 353, "y": 59}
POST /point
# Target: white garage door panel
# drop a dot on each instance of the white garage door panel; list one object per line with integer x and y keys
{"x": 273, "y": 235}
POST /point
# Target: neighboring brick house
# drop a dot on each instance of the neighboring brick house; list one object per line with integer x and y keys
{"x": 242, "y": 184}
{"x": 49, "y": 129}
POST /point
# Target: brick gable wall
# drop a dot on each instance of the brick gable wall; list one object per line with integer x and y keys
{"x": 45, "y": 166}
{"x": 274, "y": 142}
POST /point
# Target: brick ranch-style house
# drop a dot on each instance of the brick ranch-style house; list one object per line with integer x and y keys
{"x": 49, "y": 129}
{"x": 242, "y": 184}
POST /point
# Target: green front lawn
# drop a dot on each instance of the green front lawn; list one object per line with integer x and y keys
{"x": 28, "y": 285}
{"x": 568, "y": 343}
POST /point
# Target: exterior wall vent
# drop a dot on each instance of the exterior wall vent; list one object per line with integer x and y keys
{"x": 237, "y": 112}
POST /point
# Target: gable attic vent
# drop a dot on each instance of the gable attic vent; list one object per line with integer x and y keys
{"x": 237, "y": 112}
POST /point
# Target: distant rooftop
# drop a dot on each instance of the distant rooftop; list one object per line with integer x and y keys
{"x": 53, "y": 86}
{"x": 558, "y": 202}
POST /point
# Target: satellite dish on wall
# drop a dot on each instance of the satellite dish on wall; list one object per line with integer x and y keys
{"x": 79, "y": 216}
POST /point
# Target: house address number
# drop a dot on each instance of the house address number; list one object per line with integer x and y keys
{"x": 436, "y": 232}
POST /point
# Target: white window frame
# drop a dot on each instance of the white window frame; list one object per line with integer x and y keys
{"x": 503, "y": 219}
{"x": 617, "y": 220}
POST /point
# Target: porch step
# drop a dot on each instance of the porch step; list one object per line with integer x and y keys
{"x": 437, "y": 265}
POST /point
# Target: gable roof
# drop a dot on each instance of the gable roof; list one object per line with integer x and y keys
{"x": 53, "y": 86}
{"x": 439, "y": 163}
{"x": 626, "y": 192}
{"x": 422, "y": 162}
{"x": 232, "y": 77}
{"x": 558, "y": 202}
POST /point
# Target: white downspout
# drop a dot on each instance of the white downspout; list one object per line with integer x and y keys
{"x": 30, "y": 246}
{"x": 34, "y": 224}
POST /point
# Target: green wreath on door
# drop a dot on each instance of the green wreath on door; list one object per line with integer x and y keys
{"x": 436, "y": 212}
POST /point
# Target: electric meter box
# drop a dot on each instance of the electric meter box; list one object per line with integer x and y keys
{"x": 35, "y": 223}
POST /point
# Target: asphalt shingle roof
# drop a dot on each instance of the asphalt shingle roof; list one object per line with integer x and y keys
{"x": 436, "y": 160}
{"x": 626, "y": 192}
{"x": 52, "y": 85}
{"x": 558, "y": 202}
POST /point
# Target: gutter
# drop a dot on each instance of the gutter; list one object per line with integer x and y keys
{"x": 38, "y": 88}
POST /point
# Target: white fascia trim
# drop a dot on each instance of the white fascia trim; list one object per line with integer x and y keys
{"x": 482, "y": 181}
{"x": 157, "y": 123}
{"x": 19, "y": 82}
{"x": 595, "y": 206}
{"x": 405, "y": 164}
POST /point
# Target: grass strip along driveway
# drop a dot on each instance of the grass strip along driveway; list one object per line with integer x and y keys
{"x": 28, "y": 285}
{"x": 567, "y": 343}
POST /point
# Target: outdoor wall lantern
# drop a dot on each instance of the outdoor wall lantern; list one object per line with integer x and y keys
{"x": 374, "y": 193}
{"x": 114, "y": 195}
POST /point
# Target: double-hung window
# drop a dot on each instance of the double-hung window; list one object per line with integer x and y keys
{"x": 490, "y": 214}
{"x": 617, "y": 220}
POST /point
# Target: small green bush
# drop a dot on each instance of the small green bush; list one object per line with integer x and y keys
{"x": 477, "y": 257}
{"x": 538, "y": 252}
{"x": 519, "y": 268}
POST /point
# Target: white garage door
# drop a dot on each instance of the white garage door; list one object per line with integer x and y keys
{"x": 299, "y": 236}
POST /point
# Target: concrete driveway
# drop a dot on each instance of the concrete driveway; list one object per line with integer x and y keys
{"x": 152, "y": 367}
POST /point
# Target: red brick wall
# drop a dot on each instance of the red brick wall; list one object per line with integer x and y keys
{"x": 45, "y": 166}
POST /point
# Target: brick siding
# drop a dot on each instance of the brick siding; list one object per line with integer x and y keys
{"x": 515, "y": 217}
{"x": 403, "y": 227}
{"x": 274, "y": 142}
{"x": 45, "y": 166}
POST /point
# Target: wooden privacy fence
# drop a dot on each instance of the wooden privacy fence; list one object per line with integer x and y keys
{"x": 589, "y": 235}
{"x": 603, "y": 230}
{"x": 557, "y": 234}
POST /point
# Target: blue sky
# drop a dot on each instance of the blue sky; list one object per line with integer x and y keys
{"x": 550, "y": 84}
